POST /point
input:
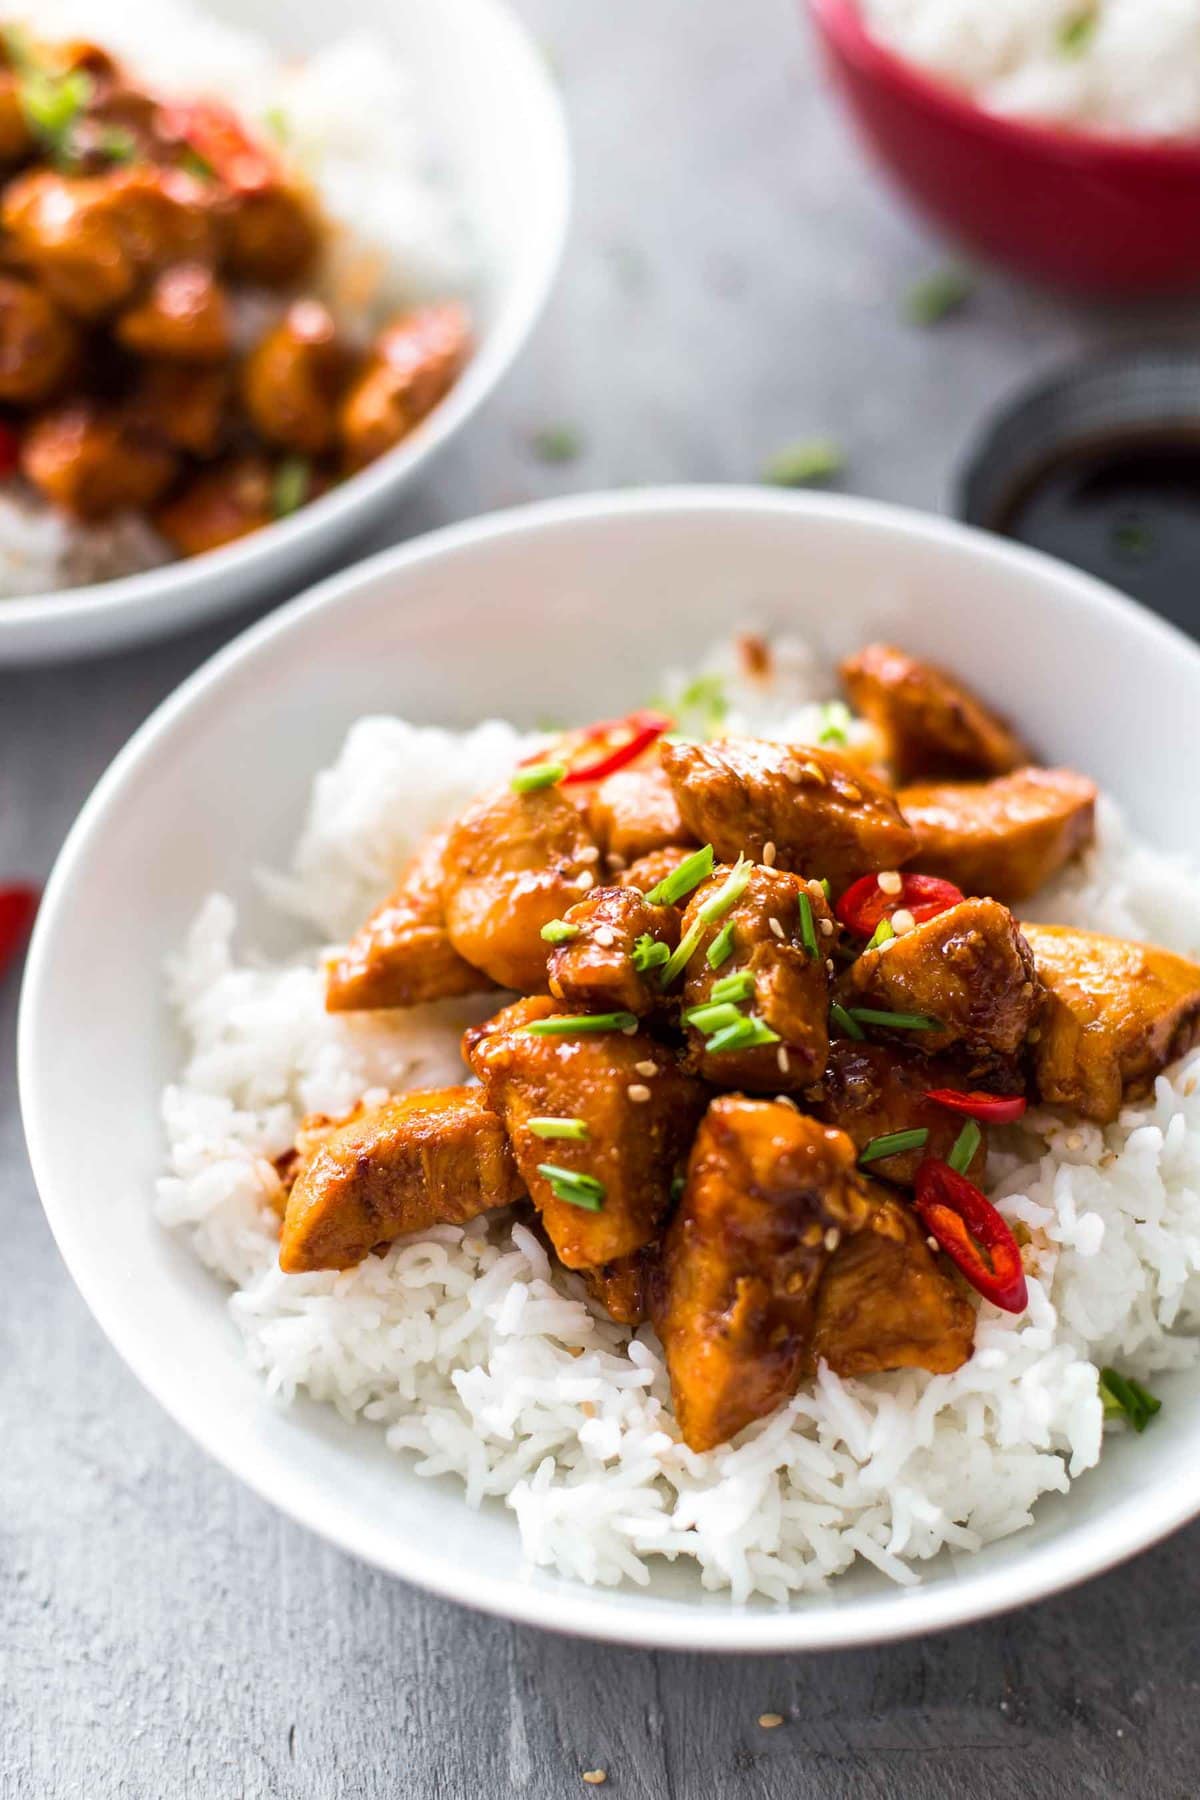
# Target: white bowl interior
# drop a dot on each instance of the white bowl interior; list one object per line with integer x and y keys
{"x": 495, "y": 115}
{"x": 576, "y": 607}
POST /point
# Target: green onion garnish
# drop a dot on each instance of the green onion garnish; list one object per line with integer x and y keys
{"x": 743, "y": 1035}
{"x": 965, "y": 1145}
{"x": 680, "y": 958}
{"x": 575, "y": 1129}
{"x": 728, "y": 894}
{"x": 808, "y": 930}
{"x": 559, "y": 932}
{"x": 702, "y": 705}
{"x": 739, "y": 986}
{"x": 537, "y": 776}
{"x": 568, "y": 1026}
{"x": 1076, "y": 33}
{"x": 721, "y": 948}
{"x": 556, "y": 444}
{"x": 119, "y": 145}
{"x": 882, "y": 932}
{"x": 276, "y": 122}
{"x": 873, "y": 1015}
{"x": 688, "y": 875}
{"x": 575, "y": 1189}
{"x": 894, "y": 1143}
{"x": 648, "y": 953}
{"x": 195, "y": 165}
{"x": 800, "y": 465}
{"x": 714, "y": 1017}
{"x": 835, "y": 722}
{"x": 937, "y": 296}
{"x": 52, "y": 103}
{"x": 845, "y": 1023}
{"x": 1122, "y": 1394}
{"x": 290, "y": 488}
{"x": 825, "y": 888}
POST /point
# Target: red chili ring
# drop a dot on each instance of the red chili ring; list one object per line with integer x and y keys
{"x": 972, "y": 1233}
{"x": 864, "y": 904}
{"x": 989, "y": 1109}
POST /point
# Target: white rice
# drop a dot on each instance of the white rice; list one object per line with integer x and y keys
{"x": 1134, "y": 72}
{"x": 477, "y": 1358}
{"x": 353, "y": 123}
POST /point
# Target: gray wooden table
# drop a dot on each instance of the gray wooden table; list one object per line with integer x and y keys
{"x": 734, "y": 281}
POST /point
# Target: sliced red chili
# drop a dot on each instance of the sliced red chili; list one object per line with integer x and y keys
{"x": 18, "y": 905}
{"x": 991, "y": 1109}
{"x": 864, "y": 905}
{"x": 972, "y": 1233}
{"x": 218, "y": 138}
{"x": 601, "y": 749}
{"x": 10, "y": 449}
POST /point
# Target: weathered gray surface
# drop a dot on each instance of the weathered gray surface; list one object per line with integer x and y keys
{"x": 732, "y": 283}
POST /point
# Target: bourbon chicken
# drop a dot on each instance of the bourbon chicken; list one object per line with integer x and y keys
{"x": 139, "y": 230}
{"x": 772, "y": 1012}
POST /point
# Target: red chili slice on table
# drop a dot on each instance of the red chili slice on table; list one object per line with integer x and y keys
{"x": 18, "y": 905}
{"x": 989, "y": 1109}
{"x": 972, "y": 1233}
{"x": 601, "y": 749}
{"x": 864, "y": 905}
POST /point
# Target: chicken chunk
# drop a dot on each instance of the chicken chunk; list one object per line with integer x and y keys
{"x": 272, "y": 234}
{"x": 871, "y": 1090}
{"x": 769, "y": 1195}
{"x": 1113, "y": 1015}
{"x": 95, "y": 461}
{"x": 784, "y": 982}
{"x": 969, "y": 969}
{"x": 1005, "y": 837}
{"x": 291, "y": 381}
{"x": 187, "y": 404}
{"x": 596, "y": 970}
{"x": 413, "y": 365}
{"x": 930, "y": 723}
{"x": 16, "y": 139}
{"x": 219, "y": 506}
{"x": 634, "y": 813}
{"x": 646, "y": 873}
{"x": 38, "y": 344}
{"x": 622, "y": 1288}
{"x": 824, "y": 816}
{"x": 183, "y": 318}
{"x": 637, "y": 1126}
{"x": 402, "y": 955}
{"x": 513, "y": 862}
{"x": 885, "y": 1303}
{"x": 424, "y": 1159}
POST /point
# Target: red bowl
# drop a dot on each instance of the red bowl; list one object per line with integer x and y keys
{"x": 1103, "y": 214}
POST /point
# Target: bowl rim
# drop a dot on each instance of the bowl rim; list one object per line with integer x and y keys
{"x": 248, "y": 561}
{"x": 843, "y": 24}
{"x": 593, "y": 1613}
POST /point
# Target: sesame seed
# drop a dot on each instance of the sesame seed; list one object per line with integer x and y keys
{"x": 768, "y": 853}
{"x": 604, "y": 936}
{"x": 616, "y": 862}
{"x": 933, "y": 1244}
{"x": 890, "y": 881}
{"x": 815, "y": 771}
{"x": 829, "y": 964}
{"x": 1074, "y": 1141}
{"x": 792, "y": 770}
{"x": 851, "y": 793}
{"x": 781, "y": 1057}
{"x": 1027, "y": 988}
{"x": 833, "y": 1238}
{"x": 769, "y": 1721}
{"x": 555, "y": 986}
{"x": 595, "y": 1777}
{"x": 585, "y": 879}
{"x": 777, "y": 928}
{"x": 646, "y": 1068}
{"x": 786, "y": 1100}
{"x": 588, "y": 1408}
{"x": 630, "y": 1030}
{"x": 826, "y": 927}
{"x": 638, "y": 1092}
{"x": 1033, "y": 1036}
{"x": 902, "y": 921}
{"x": 589, "y": 855}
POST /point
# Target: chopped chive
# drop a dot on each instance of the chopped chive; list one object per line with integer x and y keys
{"x": 721, "y": 948}
{"x": 276, "y": 122}
{"x": 728, "y": 894}
{"x": 195, "y": 165}
{"x": 1121, "y": 1394}
{"x": 739, "y": 986}
{"x": 556, "y": 444}
{"x": 1076, "y": 33}
{"x": 117, "y": 144}
{"x": 574, "y": 1188}
{"x": 702, "y": 705}
{"x": 743, "y": 1035}
{"x": 680, "y": 958}
{"x": 290, "y": 486}
{"x": 825, "y": 888}
{"x": 845, "y": 1023}
{"x": 808, "y": 930}
{"x": 559, "y": 932}
{"x": 52, "y": 103}
{"x": 537, "y": 776}
{"x": 687, "y": 875}
{"x": 899, "y": 1021}
{"x": 567, "y": 1026}
{"x": 575, "y": 1129}
{"x": 714, "y": 1017}
{"x": 882, "y": 932}
{"x": 648, "y": 953}
{"x": 802, "y": 464}
{"x": 934, "y": 298}
{"x": 965, "y": 1145}
{"x": 835, "y": 720}
{"x": 894, "y": 1143}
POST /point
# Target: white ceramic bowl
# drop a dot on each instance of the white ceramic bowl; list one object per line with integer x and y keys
{"x": 495, "y": 112}
{"x": 573, "y": 607}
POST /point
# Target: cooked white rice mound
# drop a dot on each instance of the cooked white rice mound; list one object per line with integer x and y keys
{"x": 477, "y": 1358}
{"x": 1128, "y": 67}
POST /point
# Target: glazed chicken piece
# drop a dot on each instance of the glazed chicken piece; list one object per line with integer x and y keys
{"x": 186, "y": 404}
{"x": 183, "y": 318}
{"x": 596, "y": 971}
{"x": 646, "y": 873}
{"x": 638, "y": 1109}
{"x": 219, "y": 505}
{"x": 871, "y": 1090}
{"x": 412, "y": 366}
{"x": 825, "y": 816}
{"x": 16, "y": 139}
{"x": 1005, "y": 837}
{"x": 1112, "y": 1016}
{"x": 402, "y": 955}
{"x": 784, "y": 982}
{"x": 633, "y": 814}
{"x": 769, "y": 1196}
{"x": 38, "y": 344}
{"x": 292, "y": 379}
{"x": 272, "y": 234}
{"x": 513, "y": 862}
{"x": 885, "y": 1302}
{"x": 424, "y": 1159}
{"x": 931, "y": 725}
{"x": 95, "y": 461}
{"x": 969, "y": 969}
{"x": 622, "y": 1288}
